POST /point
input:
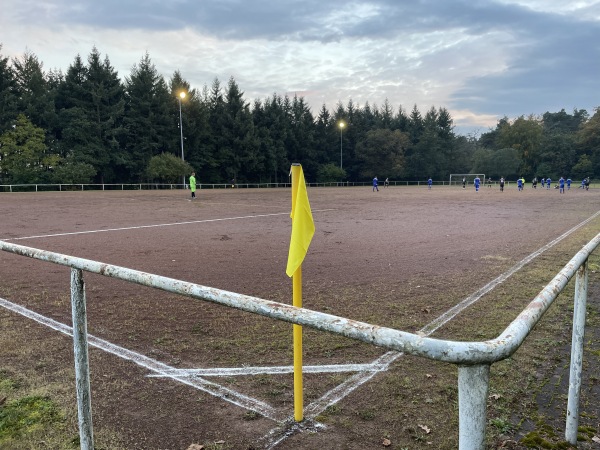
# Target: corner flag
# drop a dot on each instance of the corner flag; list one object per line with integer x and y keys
{"x": 303, "y": 227}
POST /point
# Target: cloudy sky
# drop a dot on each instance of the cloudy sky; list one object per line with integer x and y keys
{"x": 482, "y": 60}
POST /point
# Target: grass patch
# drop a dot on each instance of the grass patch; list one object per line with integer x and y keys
{"x": 26, "y": 416}
{"x": 38, "y": 408}
{"x": 31, "y": 418}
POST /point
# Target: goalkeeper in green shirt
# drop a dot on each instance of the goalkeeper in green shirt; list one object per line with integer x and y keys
{"x": 193, "y": 185}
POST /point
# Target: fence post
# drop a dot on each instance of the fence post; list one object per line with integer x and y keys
{"x": 581, "y": 284}
{"x": 82, "y": 367}
{"x": 473, "y": 385}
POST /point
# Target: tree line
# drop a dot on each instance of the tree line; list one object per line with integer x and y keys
{"x": 89, "y": 126}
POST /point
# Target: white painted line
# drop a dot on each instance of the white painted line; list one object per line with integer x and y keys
{"x": 452, "y": 312}
{"x": 139, "y": 227}
{"x": 342, "y": 390}
{"x": 274, "y": 370}
{"x": 148, "y": 363}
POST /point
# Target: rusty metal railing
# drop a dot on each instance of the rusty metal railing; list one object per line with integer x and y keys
{"x": 473, "y": 359}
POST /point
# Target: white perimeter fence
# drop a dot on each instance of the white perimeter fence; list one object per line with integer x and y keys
{"x": 158, "y": 186}
{"x": 473, "y": 359}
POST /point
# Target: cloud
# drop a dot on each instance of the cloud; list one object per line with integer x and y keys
{"x": 549, "y": 70}
{"x": 479, "y": 60}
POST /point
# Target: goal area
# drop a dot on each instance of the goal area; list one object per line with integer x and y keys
{"x": 456, "y": 179}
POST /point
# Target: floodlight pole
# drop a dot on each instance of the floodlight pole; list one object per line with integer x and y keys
{"x": 341, "y": 142}
{"x": 179, "y": 97}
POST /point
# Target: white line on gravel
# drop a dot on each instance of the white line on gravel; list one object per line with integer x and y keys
{"x": 73, "y": 233}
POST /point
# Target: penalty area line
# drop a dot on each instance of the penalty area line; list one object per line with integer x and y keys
{"x": 158, "y": 225}
{"x": 338, "y": 393}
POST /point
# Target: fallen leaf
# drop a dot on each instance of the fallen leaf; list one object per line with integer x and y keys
{"x": 387, "y": 442}
{"x": 195, "y": 447}
{"x": 425, "y": 429}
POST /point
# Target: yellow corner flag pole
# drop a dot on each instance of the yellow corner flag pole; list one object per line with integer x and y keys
{"x": 303, "y": 229}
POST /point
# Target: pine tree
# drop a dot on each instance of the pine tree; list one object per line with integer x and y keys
{"x": 8, "y": 98}
{"x": 35, "y": 98}
{"x": 264, "y": 140}
{"x": 147, "y": 121}
{"x": 216, "y": 142}
{"x": 387, "y": 114}
{"x": 302, "y": 130}
{"x": 278, "y": 123}
{"x": 239, "y": 154}
{"x": 76, "y": 140}
{"x": 325, "y": 141}
{"x": 106, "y": 113}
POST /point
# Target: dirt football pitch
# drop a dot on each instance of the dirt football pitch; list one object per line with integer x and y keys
{"x": 400, "y": 258}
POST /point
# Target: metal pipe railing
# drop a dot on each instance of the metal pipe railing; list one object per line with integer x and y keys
{"x": 82, "y": 365}
{"x": 473, "y": 358}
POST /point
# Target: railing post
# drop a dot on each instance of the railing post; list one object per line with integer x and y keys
{"x": 82, "y": 367}
{"x": 473, "y": 385}
{"x": 581, "y": 284}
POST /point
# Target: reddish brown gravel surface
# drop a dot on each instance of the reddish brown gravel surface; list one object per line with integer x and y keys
{"x": 399, "y": 258}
